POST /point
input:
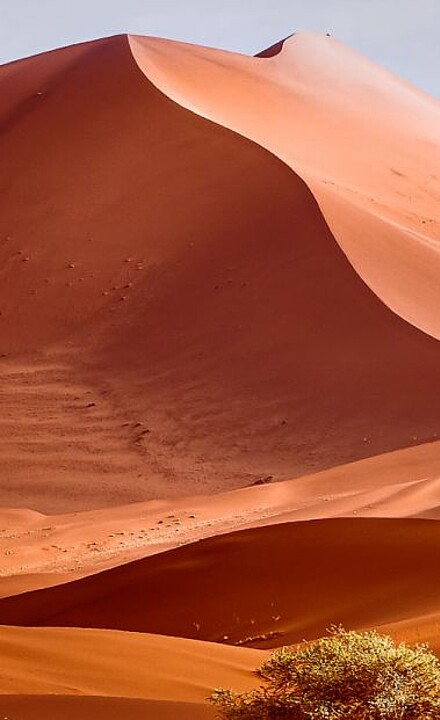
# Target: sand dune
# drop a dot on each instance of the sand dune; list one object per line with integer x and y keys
{"x": 47, "y": 550}
{"x": 97, "y": 674}
{"x": 219, "y": 368}
{"x": 62, "y": 443}
{"x": 366, "y": 142}
{"x": 44, "y": 661}
{"x": 266, "y": 586}
{"x": 186, "y": 351}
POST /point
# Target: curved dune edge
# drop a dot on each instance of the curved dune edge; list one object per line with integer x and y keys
{"x": 253, "y": 372}
{"x": 271, "y": 51}
{"x": 48, "y": 550}
{"x": 278, "y": 102}
{"x": 130, "y": 674}
{"x": 236, "y": 588}
{"x": 44, "y": 661}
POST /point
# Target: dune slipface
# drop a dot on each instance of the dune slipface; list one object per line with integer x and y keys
{"x": 366, "y": 142}
{"x": 196, "y": 324}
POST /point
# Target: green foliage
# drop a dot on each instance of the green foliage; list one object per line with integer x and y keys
{"x": 343, "y": 676}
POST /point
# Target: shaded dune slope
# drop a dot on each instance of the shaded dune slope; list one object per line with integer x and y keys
{"x": 273, "y": 50}
{"x": 187, "y": 278}
{"x": 239, "y": 588}
{"x": 366, "y": 142}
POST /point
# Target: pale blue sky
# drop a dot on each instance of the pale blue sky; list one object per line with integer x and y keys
{"x": 400, "y": 34}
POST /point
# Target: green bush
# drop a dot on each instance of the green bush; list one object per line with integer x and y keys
{"x": 343, "y": 676}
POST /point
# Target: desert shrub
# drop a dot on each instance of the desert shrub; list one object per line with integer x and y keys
{"x": 342, "y": 676}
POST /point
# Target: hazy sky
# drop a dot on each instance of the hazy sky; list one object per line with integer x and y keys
{"x": 401, "y": 34}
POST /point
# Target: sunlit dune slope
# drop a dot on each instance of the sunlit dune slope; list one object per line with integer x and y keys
{"x": 197, "y": 326}
{"x": 46, "y": 550}
{"x": 270, "y": 586}
{"x": 106, "y": 674}
{"x": 366, "y": 142}
{"x": 114, "y": 664}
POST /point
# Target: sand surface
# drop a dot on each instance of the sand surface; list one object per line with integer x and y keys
{"x": 154, "y": 353}
{"x": 51, "y": 707}
{"x": 219, "y": 367}
{"x": 312, "y": 103}
{"x": 89, "y": 671}
{"x": 266, "y": 586}
{"x": 42, "y": 550}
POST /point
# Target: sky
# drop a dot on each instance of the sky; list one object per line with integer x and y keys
{"x": 403, "y": 35}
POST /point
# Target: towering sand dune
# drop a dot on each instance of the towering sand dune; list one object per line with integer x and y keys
{"x": 194, "y": 318}
{"x": 366, "y": 142}
{"x": 266, "y": 586}
{"x": 216, "y": 272}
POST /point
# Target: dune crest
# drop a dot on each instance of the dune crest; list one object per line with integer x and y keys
{"x": 48, "y": 550}
{"x": 179, "y": 352}
{"x": 366, "y": 142}
{"x": 235, "y": 588}
{"x": 219, "y": 367}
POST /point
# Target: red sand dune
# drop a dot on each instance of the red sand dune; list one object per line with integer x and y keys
{"x": 180, "y": 351}
{"x": 266, "y": 586}
{"x": 217, "y": 273}
{"x": 366, "y": 142}
{"x": 47, "y": 550}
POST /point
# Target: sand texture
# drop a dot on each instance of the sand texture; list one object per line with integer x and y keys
{"x": 219, "y": 367}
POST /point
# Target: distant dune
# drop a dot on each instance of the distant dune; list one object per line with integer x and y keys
{"x": 268, "y": 586}
{"x": 45, "y": 550}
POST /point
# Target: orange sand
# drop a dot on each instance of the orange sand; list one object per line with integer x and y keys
{"x": 87, "y": 670}
{"x": 366, "y": 142}
{"x": 182, "y": 341}
{"x": 47, "y": 550}
{"x": 218, "y": 312}
{"x": 267, "y": 586}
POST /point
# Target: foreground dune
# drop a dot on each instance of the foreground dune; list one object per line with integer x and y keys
{"x": 266, "y": 586}
{"x": 53, "y": 707}
{"x": 47, "y": 550}
{"x": 180, "y": 341}
{"x": 97, "y": 674}
{"x": 366, "y": 142}
{"x": 44, "y": 661}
